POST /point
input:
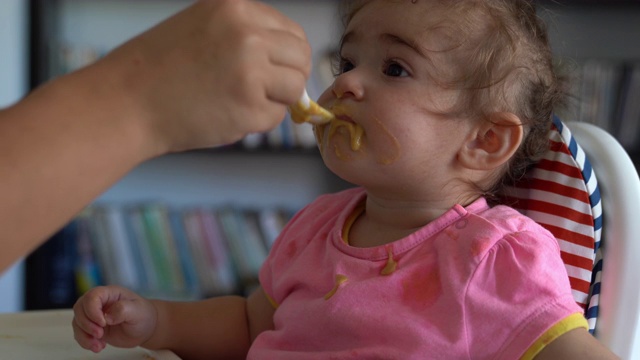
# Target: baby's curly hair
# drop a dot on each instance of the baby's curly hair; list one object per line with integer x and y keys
{"x": 497, "y": 58}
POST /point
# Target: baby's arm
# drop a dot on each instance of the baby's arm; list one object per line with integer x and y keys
{"x": 576, "y": 344}
{"x": 222, "y": 327}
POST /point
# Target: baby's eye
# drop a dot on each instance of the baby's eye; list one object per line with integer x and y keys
{"x": 340, "y": 65}
{"x": 344, "y": 66}
{"x": 392, "y": 68}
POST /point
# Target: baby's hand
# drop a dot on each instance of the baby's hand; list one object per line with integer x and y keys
{"x": 112, "y": 315}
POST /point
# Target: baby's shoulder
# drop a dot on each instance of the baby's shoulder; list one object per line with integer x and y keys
{"x": 502, "y": 227}
{"x": 505, "y": 219}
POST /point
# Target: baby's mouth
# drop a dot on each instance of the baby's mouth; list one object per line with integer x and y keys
{"x": 354, "y": 131}
{"x": 345, "y": 118}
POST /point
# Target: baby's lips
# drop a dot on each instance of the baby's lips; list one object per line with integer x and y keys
{"x": 345, "y": 118}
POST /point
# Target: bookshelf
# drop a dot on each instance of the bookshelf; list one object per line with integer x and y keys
{"x": 596, "y": 40}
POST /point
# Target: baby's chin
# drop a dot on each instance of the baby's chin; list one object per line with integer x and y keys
{"x": 354, "y": 170}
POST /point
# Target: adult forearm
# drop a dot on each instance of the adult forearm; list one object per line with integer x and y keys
{"x": 213, "y": 328}
{"x": 204, "y": 77}
{"x": 59, "y": 148}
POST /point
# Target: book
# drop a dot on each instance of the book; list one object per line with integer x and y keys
{"x": 102, "y": 245}
{"x": 135, "y": 224}
{"x": 196, "y": 243}
{"x": 271, "y": 221}
{"x": 125, "y": 270}
{"x": 628, "y": 132}
{"x": 598, "y": 93}
{"x": 50, "y": 272}
{"x": 87, "y": 271}
{"x": 214, "y": 240}
{"x": 245, "y": 247}
{"x": 185, "y": 254}
{"x": 168, "y": 253}
{"x": 162, "y": 249}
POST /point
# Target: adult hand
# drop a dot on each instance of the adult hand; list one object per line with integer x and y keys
{"x": 214, "y": 72}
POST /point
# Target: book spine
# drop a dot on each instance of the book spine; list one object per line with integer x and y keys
{"x": 50, "y": 272}
{"x": 161, "y": 252}
{"x": 185, "y": 255}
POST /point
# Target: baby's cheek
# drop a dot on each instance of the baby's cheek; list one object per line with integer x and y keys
{"x": 325, "y": 97}
{"x": 386, "y": 145}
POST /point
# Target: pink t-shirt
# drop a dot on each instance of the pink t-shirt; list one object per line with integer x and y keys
{"x": 476, "y": 283}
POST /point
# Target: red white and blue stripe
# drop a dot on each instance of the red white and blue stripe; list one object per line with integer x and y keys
{"x": 561, "y": 193}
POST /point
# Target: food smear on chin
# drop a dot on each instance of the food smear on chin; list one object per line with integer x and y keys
{"x": 388, "y": 145}
{"x": 331, "y": 130}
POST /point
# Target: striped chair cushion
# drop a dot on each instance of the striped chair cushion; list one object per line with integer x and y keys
{"x": 561, "y": 193}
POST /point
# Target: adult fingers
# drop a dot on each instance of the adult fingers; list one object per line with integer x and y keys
{"x": 290, "y": 51}
{"x": 267, "y": 16}
{"x": 284, "y": 86}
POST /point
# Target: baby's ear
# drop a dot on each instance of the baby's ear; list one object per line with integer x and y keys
{"x": 493, "y": 142}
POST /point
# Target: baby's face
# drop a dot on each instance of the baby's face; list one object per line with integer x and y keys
{"x": 387, "y": 130}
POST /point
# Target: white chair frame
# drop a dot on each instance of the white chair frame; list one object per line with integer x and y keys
{"x": 618, "y": 324}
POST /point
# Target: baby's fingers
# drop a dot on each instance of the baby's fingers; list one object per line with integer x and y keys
{"x": 86, "y": 340}
{"x": 89, "y": 308}
{"x": 82, "y": 323}
{"x": 88, "y": 317}
{"x": 123, "y": 312}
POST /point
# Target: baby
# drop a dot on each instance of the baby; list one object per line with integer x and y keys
{"x": 437, "y": 104}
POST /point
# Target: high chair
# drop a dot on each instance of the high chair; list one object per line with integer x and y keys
{"x": 619, "y": 300}
{"x": 563, "y": 194}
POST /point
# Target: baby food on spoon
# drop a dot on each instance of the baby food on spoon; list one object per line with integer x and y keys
{"x": 306, "y": 110}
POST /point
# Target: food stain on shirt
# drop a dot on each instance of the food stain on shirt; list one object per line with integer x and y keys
{"x": 422, "y": 288}
{"x": 340, "y": 279}
{"x": 391, "y": 264}
{"x": 480, "y": 246}
{"x": 452, "y": 233}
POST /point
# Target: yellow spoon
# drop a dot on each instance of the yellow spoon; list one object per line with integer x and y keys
{"x": 307, "y": 110}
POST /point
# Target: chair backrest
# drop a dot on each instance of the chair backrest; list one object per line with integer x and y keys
{"x": 561, "y": 193}
{"x": 619, "y": 299}
{"x": 596, "y": 223}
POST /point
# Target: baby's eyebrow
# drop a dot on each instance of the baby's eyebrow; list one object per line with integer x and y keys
{"x": 347, "y": 37}
{"x": 353, "y": 36}
{"x": 395, "y": 39}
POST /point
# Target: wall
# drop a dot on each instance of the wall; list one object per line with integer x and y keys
{"x": 13, "y": 84}
{"x": 594, "y": 31}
